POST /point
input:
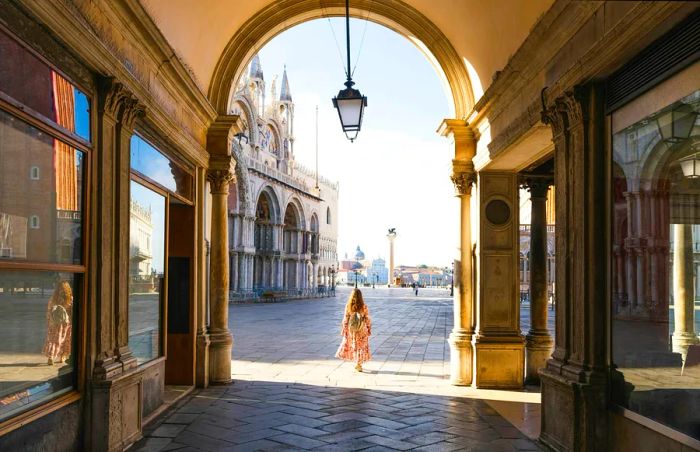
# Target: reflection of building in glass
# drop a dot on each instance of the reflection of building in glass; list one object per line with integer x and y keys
{"x": 141, "y": 269}
{"x": 282, "y": 214}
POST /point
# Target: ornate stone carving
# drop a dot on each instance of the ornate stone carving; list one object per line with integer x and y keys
{"x": 131, "y": 111}
{"x": 219, "y": 180}
{"x": 463, "y": 182}
{"x": 111, "y": 96}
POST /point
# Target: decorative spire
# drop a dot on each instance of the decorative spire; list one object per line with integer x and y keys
{"x": 286, "y": 93}
{"x": 256, "y": 68}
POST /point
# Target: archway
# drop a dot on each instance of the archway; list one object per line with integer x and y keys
{"x": 393, "y": 14}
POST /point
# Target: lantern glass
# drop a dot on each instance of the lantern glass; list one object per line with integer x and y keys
{"x": 350, "y": 104}
{"x": 676, "y": 123}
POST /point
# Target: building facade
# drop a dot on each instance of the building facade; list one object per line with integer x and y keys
{"x": 283, "y": 217}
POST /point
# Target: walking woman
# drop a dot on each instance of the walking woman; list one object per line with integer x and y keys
{"x": 355, "y": 330}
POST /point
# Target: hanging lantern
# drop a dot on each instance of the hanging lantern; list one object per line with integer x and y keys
{"x": 676, "y": 124}
{"x": 349, "y": 102}
{"x": 690, "y": 166}
{"x": 351, "y": 105}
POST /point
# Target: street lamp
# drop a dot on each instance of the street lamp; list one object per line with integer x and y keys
{"x": 452, "y": 282}
{"x": 355, "y": 271}
{"x": 349, "y": 102}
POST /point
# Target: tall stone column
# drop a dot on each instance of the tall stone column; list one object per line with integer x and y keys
{"x": 683, "y": 289}
{"x": 538, "y": 342}
{"x": 463, "y": 177}
{"x": 219, "y": 334}
{"x": 391, "y": 236}
{"x": 220, "y": 175}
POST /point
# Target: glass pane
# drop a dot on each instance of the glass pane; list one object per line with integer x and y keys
{"x": 656, "y": 257}
{"x": 148, "y": 161}
{"x": 37, "y": 326}
{"x": 146, "y": 271}
{"x": 33, "y": 83}
{"x": 41, "y": 195}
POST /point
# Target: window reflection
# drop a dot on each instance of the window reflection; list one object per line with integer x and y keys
{"x": 41, "y": 190}
{"x": 148, "y": 161}
{"x": 146, "y": 271}
{"x": 656, "y": 238}
{"x": 30, "y": 81}
{"x": 37, "y": 322}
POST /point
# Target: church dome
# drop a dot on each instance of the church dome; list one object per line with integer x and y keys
{"x": 359, "y": 255}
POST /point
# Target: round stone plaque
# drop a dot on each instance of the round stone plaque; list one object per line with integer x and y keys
{"x": 497, "y": 212}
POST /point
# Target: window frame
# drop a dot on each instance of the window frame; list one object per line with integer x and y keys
{"x": 27, "y": 115}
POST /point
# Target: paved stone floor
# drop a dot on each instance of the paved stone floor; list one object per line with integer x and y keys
{"x": 289, "y": 393}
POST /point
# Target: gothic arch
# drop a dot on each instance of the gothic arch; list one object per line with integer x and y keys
{"x": 393, "y": 14}
{"x": 248, "y": 111}
{"x": 299, "y": 210}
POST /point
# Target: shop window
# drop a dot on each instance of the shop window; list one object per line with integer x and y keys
{"x": 51, "y": 207}
{"x": 146, "y": 271}
{"x": 39, "y": 318}
{"x": 149, "y": 162}
{"x": 41, "y": 223}
{"x": 655, "y": 213}
{"x": 31, "y": 82}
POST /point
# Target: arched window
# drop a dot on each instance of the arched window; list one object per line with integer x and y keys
{"x": 328, "y": 215}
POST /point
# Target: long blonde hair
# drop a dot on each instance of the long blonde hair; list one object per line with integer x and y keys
{"x": 355, "y": 302}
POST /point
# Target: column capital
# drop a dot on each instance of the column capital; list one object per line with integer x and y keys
{"x": 115, "y": 100}
{"x": 463, "y": 177}
{"x": 219, "y": 180}
{"x": 537, "y": 185}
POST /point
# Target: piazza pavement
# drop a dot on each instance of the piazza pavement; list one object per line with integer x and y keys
{"x": 290, "y": 393}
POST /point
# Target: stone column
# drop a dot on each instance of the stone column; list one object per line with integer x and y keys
{"x": 683, "y": 289}
{"x": 391, "y": 236}
{"x": 463, "y": 177}
{"x": 220, "y": 175}
{"x": 219, "y": 334}
{"x": 538, "y": 342}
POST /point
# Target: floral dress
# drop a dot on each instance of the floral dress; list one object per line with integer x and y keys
{"x": 58, "y": 333}
{"x": 355, "y": 346}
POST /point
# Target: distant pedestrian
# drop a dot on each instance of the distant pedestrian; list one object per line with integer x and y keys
{"x": 415, "y": 287}
{"x": 356, "y": 329}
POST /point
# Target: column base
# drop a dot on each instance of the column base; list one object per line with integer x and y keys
{"x": 682, "y": 341}
{"x": 461, "y": 358}
{"x": 127, "y": 358}
{"x": 500, "y": 362}
{"x": 574, "y": 408}
{"x": 538, "y": 349}
{"x": 221, "y": 344}
{"x": 202, "y": 366}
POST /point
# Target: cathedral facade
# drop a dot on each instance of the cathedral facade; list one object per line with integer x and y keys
{"x": 283, "y": 217}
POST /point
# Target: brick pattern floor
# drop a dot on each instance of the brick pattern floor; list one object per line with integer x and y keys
{"x": 291, "y": 394}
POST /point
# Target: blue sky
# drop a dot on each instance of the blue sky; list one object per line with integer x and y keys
{"x": 396, "y": 174}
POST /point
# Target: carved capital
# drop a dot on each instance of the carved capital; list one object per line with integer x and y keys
{"x": 111, "y": 96}
{"x": 537, "y": 185}
{"x": 463, "y": 182}
{"x": 131, "y": 111}
{"x": 219, "y": 180}
{"x": 115, "y": 100}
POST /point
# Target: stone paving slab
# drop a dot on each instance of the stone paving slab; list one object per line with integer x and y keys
{"x": 289, "y": 393}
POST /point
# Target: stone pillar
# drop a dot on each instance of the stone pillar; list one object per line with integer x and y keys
{"x": 220, "y": 176}
{"x": 683, "y": 289}
{"x": 538, "y": 342}
{"x": 114, "y": 376}
{"x": 498, "y": 344}
{"x": 576, "y": 380}
{"x": 463, "y": 176}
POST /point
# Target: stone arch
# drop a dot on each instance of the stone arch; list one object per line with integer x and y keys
{"x": 268, "y": 192}
{"x": 248, "y": 113}
{"x": 393, "y": 14}
{"x": 299, "y": 209}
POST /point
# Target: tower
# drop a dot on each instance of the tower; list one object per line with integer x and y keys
{"x": 285, "y": 108}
